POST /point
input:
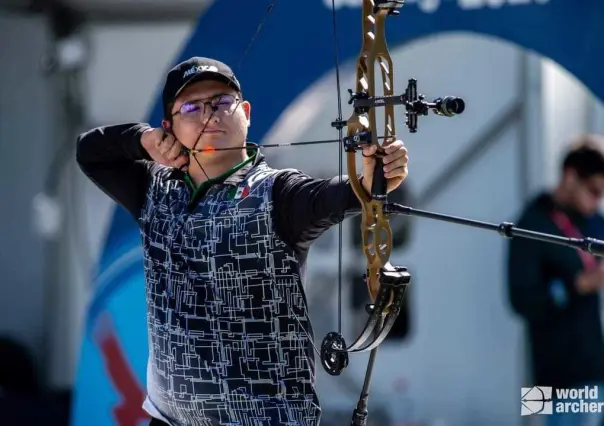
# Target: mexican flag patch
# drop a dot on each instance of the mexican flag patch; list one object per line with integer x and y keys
{"x": 240, "y": 192}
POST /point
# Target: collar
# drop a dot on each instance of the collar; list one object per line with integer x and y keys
{"x": 238, "y": 173}
{"x": 233, "y": 176}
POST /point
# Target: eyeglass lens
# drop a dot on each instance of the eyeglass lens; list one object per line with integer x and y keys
{"x": 194, "y": 109}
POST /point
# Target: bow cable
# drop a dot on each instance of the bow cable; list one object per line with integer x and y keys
{"x": 340, "y": 160}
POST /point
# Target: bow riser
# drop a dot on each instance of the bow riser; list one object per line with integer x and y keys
{"x": 375, "y": 227}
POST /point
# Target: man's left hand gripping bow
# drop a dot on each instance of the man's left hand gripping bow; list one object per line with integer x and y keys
{"x": 395, "y": 165}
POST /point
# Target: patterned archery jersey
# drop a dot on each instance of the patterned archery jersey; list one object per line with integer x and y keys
{"x": 228, "y": 328}
{"x": 220, "y": 285}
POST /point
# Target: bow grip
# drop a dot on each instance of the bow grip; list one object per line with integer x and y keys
{"x": 379, "y": 184}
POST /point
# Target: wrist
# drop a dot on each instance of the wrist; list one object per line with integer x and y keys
{"x": 145, "y": 143}
{"x": 145, "y": 134}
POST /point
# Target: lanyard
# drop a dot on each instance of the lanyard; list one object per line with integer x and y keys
{"x": 569, "y": 230}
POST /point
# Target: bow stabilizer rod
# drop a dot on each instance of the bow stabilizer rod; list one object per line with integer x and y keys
{"x": 505, "y": 229}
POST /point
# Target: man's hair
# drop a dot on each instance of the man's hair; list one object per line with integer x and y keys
{"x": 586, "y": 155}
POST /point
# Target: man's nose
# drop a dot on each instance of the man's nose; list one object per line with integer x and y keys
{"x": 210, "y": 114}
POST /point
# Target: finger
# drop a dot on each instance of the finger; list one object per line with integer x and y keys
{"x": 369, "y": 150}
{"x": 399, "y": 154}
{"x": 167, "y": 137}
{"x": 394, "y": 146}
{"x": 397, "y": 173}
{"x": 174, "y": 151}
{"x": 160, "y": 137}
{"x": 401, "y": 162}
{"x": 166, "y": 145}
{"x": 181, "y": 161}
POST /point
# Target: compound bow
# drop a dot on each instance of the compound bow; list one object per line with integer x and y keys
{"x": 386, "y": 283}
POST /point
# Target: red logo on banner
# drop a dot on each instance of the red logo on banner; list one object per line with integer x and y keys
{"x": 128, "y": 411}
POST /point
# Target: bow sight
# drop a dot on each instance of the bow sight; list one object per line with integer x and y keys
{"x": 414, "y": 103}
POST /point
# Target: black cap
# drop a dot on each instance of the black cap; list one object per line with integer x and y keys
{"x": 192, "y": 70}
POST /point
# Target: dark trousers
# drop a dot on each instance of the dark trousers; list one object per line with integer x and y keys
{"x": 157, "y": 422}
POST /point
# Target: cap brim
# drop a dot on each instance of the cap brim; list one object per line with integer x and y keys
{"x": 207, "y": 75}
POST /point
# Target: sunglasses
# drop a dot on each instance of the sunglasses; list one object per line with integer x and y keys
{"x": 195, "y": 110}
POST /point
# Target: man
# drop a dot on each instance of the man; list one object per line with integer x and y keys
{"x": 556, "y": 289}
{"x": 225, "y": 241}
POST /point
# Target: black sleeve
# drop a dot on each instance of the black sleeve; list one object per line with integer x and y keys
{"x": 529, "y": 284}
{"x": 113, "y": 158}
{"x": 306, "y": 207}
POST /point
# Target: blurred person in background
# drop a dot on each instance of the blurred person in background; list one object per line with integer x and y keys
{"x": 225, "y": 241}
{"x": 556, "y": 290}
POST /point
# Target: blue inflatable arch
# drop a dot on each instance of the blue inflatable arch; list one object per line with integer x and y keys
{"x": 293, "y": 50}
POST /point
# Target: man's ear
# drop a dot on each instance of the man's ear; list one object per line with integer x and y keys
{"x": 166, "y": 126}
{"x": 247, "y": 108}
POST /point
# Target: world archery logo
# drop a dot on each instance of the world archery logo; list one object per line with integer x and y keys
{"x": 536, "y": 400}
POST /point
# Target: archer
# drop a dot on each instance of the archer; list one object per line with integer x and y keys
{"x": 225, "y": 239}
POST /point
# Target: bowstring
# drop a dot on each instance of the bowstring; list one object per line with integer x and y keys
{"x": 270, "y": 8}
{"x": 340, "y": 160}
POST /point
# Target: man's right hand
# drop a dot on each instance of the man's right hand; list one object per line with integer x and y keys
{"x": 590, "y": 281}
{"x": 163, "y": 148}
